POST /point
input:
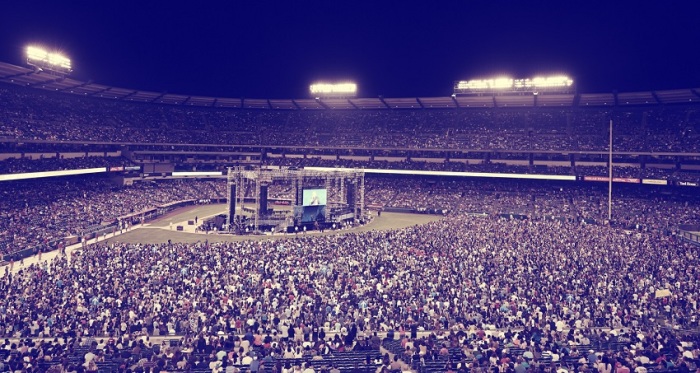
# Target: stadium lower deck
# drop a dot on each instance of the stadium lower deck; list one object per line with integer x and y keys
{"x": 563, "y": 339}
{"x": 163, "y": 230}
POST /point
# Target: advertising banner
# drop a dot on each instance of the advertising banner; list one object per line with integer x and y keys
{"x": 625, "y": 180}
{"x": 654, "y": 182}
{"x": 595, "y": 178}
{"x": 615, "y": 179}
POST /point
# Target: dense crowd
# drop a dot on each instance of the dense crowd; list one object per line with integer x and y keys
{"x": 34, "y": 214}
{"x": 462, "y": 273}
{"x": 22, "y": 165}
{"x": 634, "y": 206}
{"x": 669, "y": 173}
{"x": 31, "y": 114}
{"x": 252, "y": 352}
{"x": 182, "y": 163}
{"x": 527, "y": 265}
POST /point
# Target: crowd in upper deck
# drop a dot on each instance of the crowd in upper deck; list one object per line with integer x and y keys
{"x": 31, "y": 114}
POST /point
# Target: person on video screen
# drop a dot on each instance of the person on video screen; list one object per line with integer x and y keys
{"x": 314, "y": 199}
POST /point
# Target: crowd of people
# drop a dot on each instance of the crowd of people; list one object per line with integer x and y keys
{"x": 182, "y": 163}
{"x": 31, "y": 114}
{"x": 23, "y": 165}
{"x": 528, "y": 265}
{"x": 669, "y": 173}
{"x": 34, "y": 214}
{"x": 462, "y": 273}
{"x": 251, "y": 352}
{"x": 633, "y": 206}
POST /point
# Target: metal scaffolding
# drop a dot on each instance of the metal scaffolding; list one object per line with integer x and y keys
{"x": 336, "y": 180}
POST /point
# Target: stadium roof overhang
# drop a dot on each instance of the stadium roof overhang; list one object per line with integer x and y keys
{"x": 32, "y": 78}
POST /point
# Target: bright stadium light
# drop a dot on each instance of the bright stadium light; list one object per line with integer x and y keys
{"x": 45, "y": 60}
{"x": 472, "y": 84}
{"x": 552, "y": 81}
{"x": 486, "y": 84}
{"x": 59, "y": 60}
{"x": 345, "y": 89}
{"x": 37, "y": 54}
{"x": 555, "y": 83}
{"x": 502, "y": 83}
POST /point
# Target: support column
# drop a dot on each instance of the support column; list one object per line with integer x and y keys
{"x": 257, "y": 200}
{"x": 229, "y": 181}
{"x": 362, "y": 195}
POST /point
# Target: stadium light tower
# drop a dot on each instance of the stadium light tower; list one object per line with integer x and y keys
{"x": 42, "y": 59}
{"x": 552, "y": 84}
{"x": 326, "y": 90}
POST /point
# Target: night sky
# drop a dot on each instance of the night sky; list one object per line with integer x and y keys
{"x": 274, "y": 49}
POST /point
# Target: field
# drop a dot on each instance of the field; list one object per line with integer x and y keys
{"x": 158, "y": 231}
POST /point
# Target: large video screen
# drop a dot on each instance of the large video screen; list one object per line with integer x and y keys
{"x": 314, "y": 197}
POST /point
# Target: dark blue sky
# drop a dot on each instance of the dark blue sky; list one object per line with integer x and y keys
{"x": 274, "y": 49}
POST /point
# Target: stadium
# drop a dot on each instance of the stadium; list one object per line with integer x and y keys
{"x": 514, "y": 226}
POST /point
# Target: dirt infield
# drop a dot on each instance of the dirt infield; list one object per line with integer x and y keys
{"x": 159, "y": 231}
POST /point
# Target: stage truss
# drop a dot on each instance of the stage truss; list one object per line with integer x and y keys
{"x": 338, "y": 180}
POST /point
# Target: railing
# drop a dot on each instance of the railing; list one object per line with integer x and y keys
{"x": 691, "y": 237}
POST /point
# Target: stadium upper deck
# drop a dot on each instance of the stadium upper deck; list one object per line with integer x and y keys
{"x": 51, "y": 116}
